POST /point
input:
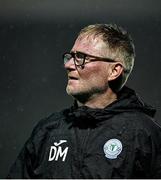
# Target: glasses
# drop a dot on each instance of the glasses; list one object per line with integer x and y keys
{"x": 79, "y": 58}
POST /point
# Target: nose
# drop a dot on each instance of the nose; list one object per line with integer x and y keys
{"x": 70, "y": 64}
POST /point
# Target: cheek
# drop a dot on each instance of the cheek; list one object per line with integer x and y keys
{"x": 94, "y": 73}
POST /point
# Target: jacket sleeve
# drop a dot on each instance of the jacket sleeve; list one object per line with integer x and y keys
{"x": 24, "y": 164}
{"x": 26, "y": 161}
{"x": 29, "y": 158}
{"x": 156, "y": 154}
{"x": 148, "y": 152}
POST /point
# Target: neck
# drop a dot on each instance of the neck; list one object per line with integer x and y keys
{"x": 100, "y": 100}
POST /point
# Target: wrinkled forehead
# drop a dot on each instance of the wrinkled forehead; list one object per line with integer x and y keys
{"x": 91, "y": 44}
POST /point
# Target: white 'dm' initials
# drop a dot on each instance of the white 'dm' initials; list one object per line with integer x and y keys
{"x": 56, "y": 151}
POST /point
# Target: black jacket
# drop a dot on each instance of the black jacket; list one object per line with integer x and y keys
{"x": 120, "y": 141}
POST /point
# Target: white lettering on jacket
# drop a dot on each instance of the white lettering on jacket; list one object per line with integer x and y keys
{"x": 56, "y": 151}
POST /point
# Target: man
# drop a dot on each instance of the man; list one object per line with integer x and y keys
{"x": 109, "y": 132}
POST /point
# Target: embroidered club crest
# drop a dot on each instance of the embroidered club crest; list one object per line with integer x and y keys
{"x": 112, "y": 148}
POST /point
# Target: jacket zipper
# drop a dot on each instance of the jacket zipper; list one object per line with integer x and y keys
{"x": 83, "y": 149}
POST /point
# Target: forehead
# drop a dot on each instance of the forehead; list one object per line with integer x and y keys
{"x": 90, "y": 44}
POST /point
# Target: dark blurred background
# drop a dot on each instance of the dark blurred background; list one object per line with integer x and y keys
{"x": 33, "y": 36}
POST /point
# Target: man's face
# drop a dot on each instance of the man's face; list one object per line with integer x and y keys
{"x": 93, "y": 78}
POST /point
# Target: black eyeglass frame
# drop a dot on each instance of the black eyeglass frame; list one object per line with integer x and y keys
{"x": 85, "y": 55}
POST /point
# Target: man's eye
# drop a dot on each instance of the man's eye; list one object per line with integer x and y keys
{"x": 80, "y": 55}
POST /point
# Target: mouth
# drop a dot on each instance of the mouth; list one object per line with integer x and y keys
{"x": 72, "y": 78}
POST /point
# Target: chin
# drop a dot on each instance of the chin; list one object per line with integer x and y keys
{"x": 78, "y": 95}
{"x": 71, "y": 92}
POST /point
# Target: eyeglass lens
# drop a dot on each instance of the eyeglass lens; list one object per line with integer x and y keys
{"x": 78, "y": 57}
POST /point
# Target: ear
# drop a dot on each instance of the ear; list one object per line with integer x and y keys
{"x": 116, "y": 70}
